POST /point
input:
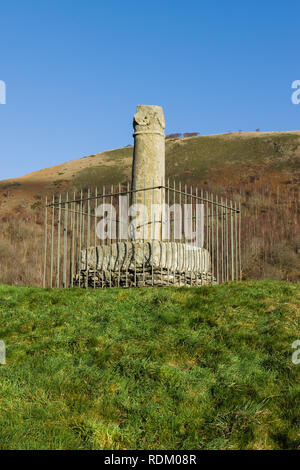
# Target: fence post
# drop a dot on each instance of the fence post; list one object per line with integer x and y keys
{"x": 240, "y": 255}
{"x": 45, "y": 242}
{"x": 58, "y": 242}
{"x": 65, "y": 241}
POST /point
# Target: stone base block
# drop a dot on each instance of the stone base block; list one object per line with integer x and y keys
{"x": 142, "y": 278}
{"x": 153, "y": 263}
{"x": 153, "y": 254}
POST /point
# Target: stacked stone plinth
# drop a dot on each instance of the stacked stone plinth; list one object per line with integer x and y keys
{"x": 144, "y": 263}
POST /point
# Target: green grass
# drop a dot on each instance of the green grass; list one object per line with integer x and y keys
{"x": 176, "y": 368}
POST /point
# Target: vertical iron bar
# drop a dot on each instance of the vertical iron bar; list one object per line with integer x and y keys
{"x": 119, "y": 238}
{"x": 73, "y": 208}
{"x": 128, "y": 251}
{"x": 52, "y": 242}
{"x": 80, "y": 237}
{"x": 102, "y": 243}
{"x": 225, "y": 265}
{"x": 167, "y": 230}
{"x": 231, "y": 237}
{"x": 209, "y": 238}
{"x": 212, "y": 240}
{"x": 152, "y": 233}
{"x": 222, "y": 240}
{"x": 217, "y": 238}
{"x": 88, "y": 236}
{"x": 134, "y": 199}
{"x": 195, "y": 243}
{"x": 207, "y": 222}
{"x": 95, "y": 237}
{"x": 145, "y": 221}
{"x": 161, "y": 229}
{"x": 66, "y": 219}
{"x": 204, "y": 240}
{"x": 175, "y": 258}
{"x": 181, "y": 230}
{"x": 227, "y": 247}
{"x": 110, "y": 235}
{"x": 77, "y": 241}
{"x": 45, "y": 242}
{"x": 235, "y": 241}
{"x": 191, "y": 251}
{"x": 240, "y": 254}
{"x": 83, "y": 230}
{"x": 208, "y": 229}
{"x": 58, "y": 242}
{"x": 185, "y": 224}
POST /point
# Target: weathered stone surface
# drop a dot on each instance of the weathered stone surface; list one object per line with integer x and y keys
{"x": 148, "y": 169}
{"x": 155, "y": 254}
{"x": 142, "y": 278}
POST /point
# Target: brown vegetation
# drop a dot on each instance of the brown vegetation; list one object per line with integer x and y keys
{"x": 174, "y": 136}
{"x": 190, "y": 134}
{"x": 270, "y": 222}
{"x": 21, "y": 248}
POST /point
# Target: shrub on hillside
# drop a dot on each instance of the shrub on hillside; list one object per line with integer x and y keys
{"x": 284, "y": 256}
{"x": 190, "y": 134}
{"x": 173, "y": 136}
{"x": 6, "y": 250}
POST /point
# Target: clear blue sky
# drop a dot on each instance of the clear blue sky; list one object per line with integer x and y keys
{"x": 76, "y": 69}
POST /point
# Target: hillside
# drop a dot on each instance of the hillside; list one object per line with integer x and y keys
{"x": 260, "y": 170}
{"x": 204, "y": 159}
{"x": 178, "y": 368}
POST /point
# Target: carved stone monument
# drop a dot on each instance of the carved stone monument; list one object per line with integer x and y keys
{"x": 148, "y": 168}
{"x": 145, "y": 258}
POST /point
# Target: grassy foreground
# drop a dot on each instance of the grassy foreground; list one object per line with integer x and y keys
{"x": 177, "y": 368}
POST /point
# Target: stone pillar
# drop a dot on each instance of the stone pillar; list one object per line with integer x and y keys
{"x": 148, "y": 169}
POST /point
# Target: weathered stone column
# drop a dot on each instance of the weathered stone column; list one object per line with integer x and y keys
{"x": 148, "y": 169}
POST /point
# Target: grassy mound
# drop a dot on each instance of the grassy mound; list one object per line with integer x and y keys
{"x": 174, "y": 368}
